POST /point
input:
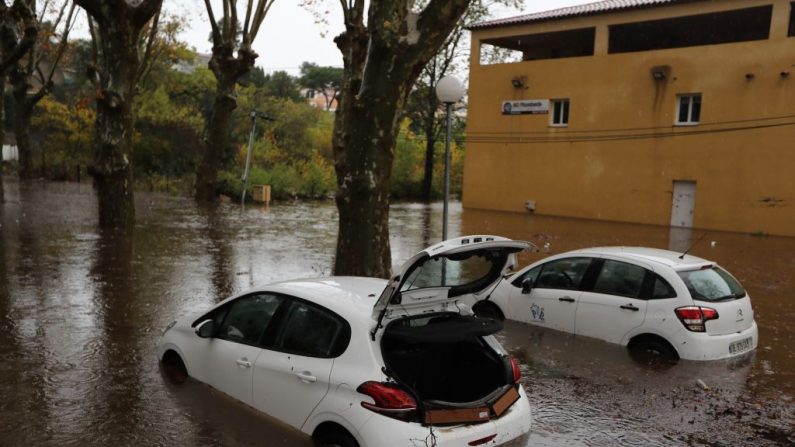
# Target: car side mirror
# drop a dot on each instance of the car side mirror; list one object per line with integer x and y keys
{"x": 205, "y": 329}
{"x": 527, "y": 286}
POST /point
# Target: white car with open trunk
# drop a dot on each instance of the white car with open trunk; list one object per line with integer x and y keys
{"x": 651, "y": 300}
{"x": 367, "y": 362}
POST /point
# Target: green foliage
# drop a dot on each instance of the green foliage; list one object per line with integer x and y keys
{"x": 280, "y": 84}
{"x": 408, "y": 167}
{"x": 64, "y": 135}
{"x": 292, "y": 153}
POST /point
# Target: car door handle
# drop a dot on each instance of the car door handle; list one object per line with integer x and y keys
{"x": 306, "y": 376}
{"x": 243, "y": 363}
{"x": 567, "y": 299}
{"x": 630, "y": 307}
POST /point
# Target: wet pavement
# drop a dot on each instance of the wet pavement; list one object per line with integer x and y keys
{"x": 81, "y": 310}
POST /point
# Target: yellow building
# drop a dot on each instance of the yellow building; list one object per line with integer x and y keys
{"x": 667, "y": 112}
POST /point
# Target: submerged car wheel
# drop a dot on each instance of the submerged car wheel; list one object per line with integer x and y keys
{"x": 333, "y": 436}
{"x": 484, "y": 309}
{"x": 652, "y": 351}
{"x": 174, "y": 368}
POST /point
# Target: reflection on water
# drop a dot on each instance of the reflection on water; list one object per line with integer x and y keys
{"x": 81, "y": 310}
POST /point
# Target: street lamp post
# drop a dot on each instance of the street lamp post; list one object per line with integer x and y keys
{"x": 449, "y": 90}
{"x": 253, "y": 115}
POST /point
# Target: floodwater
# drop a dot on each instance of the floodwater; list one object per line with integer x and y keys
{"x": 81, "y": 311}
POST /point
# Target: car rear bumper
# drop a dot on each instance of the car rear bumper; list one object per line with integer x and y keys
{"x": 383, "y": 431}
{"x": 700, "y": 346}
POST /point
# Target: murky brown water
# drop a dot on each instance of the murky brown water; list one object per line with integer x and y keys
{"x": 81, "y": 310}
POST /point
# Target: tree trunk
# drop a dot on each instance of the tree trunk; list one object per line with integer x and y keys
{"x": 381, "y": 63}
{"x": 117, "y": 40}
{"x": 22, "y": 114}
{"x": 216, "y": 142}
{"x": 2, "y": 130}
{"x": 430, "y": 146}
{"x": 365, "y": 131}
{"x": 113, "y": 138}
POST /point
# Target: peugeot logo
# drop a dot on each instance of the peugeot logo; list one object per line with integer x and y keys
{"x": 739, "y": 313}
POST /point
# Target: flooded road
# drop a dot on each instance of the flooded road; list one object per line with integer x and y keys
{"x": 81, "y": 311}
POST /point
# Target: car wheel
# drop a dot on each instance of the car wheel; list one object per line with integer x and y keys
{"x": 174, "y": 368}
{"x": 335, "y": 438}
{"x": 488, "y": 310}
{"x": 653, "y": 352}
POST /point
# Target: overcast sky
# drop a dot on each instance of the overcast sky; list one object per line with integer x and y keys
{"x": 290, "y": 35}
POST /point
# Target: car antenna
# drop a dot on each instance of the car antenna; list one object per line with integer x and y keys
{"x": 682, "y": 256}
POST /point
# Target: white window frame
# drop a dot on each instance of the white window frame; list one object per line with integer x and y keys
{"x": 689, "y": 121}
{"x": 552, "y": 103}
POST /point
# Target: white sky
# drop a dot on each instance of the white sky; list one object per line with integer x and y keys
{"x": 290, "y": 36}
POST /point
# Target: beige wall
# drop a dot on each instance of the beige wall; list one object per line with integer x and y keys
{"x": 745, "y": 177}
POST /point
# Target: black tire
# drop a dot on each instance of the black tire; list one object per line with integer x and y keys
{"x": 485, "y": 309}
{"x": 653, "y": 351}
{"x": 335, "y": 438}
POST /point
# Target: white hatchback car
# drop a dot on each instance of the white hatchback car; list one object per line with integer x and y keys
{"x": 367, "y": 362}
{"x": 651, "y": 300}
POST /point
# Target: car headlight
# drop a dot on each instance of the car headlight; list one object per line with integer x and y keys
{"x": 170, "y": 325}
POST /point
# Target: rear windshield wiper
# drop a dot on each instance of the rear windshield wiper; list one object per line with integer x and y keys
{"x": 731, "y": 296}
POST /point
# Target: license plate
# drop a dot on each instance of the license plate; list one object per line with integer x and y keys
{"x": 740, "y": 346}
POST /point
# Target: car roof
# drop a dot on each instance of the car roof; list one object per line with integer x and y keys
{"x": 658, "y": 256}
{"x": 348, "y": 296}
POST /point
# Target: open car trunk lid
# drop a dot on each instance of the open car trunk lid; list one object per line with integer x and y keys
{"x": 436, "y": 276}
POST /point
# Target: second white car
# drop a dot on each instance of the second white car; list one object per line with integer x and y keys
{"x": 651, "y": 300}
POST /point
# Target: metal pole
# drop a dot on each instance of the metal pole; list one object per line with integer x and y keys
{"x": 248, "y": 157}
{"x": 448, "y": 106}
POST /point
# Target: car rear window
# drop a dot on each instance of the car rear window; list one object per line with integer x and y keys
{"x": 712, "y": 284}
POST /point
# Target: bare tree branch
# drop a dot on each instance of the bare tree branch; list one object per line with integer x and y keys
{"x": 147, "y": 56}
{"x": 263, "y": 6}
{"x": 213, "y": 24}
{"x": 246, "y": 24}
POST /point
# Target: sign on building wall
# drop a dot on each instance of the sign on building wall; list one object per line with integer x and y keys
{"x": 525, "y": 107}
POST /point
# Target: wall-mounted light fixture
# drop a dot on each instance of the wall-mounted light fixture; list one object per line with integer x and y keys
{"x": 519, "y": 82}
{"x": 660, "y": 72}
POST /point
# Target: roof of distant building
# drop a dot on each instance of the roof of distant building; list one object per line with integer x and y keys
{"x": 601, "y": 7}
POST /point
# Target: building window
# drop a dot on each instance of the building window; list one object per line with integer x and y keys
{"x": 688, "y": 109}
{"x": 560, "y": 113}
{"x": 791, "y": 20}
{"x": 740, "y": 25}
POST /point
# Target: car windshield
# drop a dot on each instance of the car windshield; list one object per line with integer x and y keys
{"x": 712, "y": 284}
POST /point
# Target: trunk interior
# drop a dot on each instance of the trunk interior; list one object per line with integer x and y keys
{"x": 445, "y": 359}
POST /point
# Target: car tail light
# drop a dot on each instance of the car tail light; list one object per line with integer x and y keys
{"x": 517, "y": 373}
{"x": 390, "y": 400}
{"x": 694, "y": 317}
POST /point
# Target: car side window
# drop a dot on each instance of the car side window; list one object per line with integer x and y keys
{"x": 531, "y": 274}
{"x": 314, "y": 332}
{"x": 248, "y": 317}
{"x": 566, "y": 273}
{"x": 619, "y": 278}
{"x": 662, "y": 289}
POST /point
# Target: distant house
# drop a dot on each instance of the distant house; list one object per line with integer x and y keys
{"x": 666, "y": 112}
{"x": 317, "y": 99}
{"x": 189, "y": 66}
